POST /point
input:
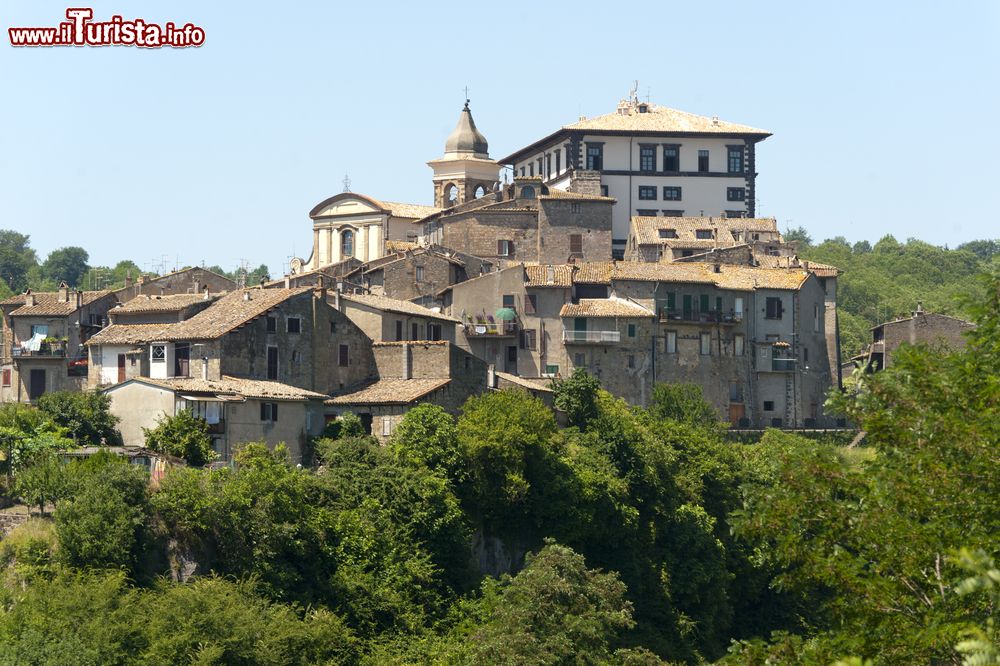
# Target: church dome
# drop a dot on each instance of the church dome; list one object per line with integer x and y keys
{"x": 465, "y": 138}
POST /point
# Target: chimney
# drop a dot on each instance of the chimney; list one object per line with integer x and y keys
{"x": 142, "y": 279}
{"x": 63, "y": 292}
{"x": 197, "y": 286}
{"x": 407, "y": 362}
{"x": 29, "y": 299}
{"x": 78, "y": 297}
{"x": 491, "y": 376}
{"x": 920, "y": 309}
{"x": 205, "y": 293}
{"x": 715, "y": 120}
{"x": 246, "y": 295}
{"x": 550, "y": 275}
{"x": 288, "y": 282}
{"x": 128, "y": 278}
{"x": 204, "y": 368}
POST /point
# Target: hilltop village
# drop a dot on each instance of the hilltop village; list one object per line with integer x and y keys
{"x": 625, "y": 244}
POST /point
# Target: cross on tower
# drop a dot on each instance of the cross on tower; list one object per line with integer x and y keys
{"x": 466, "y": 95}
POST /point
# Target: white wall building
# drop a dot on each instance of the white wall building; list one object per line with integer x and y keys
{"x": 654, "y": 160}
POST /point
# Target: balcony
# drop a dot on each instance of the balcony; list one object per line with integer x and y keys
{"x": 782, "y": 365}
{"x": 591, "y": 337}
{"x": 700, "y": 317}
{"x": 44, "y": 351}
{"x": 503, "y": 329}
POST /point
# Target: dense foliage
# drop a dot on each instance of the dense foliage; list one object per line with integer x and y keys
{"x": 887, "y": 280}
{"x": 629, "y": 536}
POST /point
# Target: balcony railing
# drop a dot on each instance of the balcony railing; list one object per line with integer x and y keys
{"x": 494, "y": 329}
{"x": 44, "y": 351}
{"x": 592, "y": 337}
{"x": 783, "y": 365}
{"x": 701, "y": 317}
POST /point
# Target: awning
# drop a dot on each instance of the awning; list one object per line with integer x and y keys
{"x": 207, "y": 398}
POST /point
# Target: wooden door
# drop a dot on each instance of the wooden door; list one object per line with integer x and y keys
{"x": 121, "y": 368}
{"x": 36, "y": 384}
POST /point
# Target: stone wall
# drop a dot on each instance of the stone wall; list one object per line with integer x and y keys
{"x": 925, "y": 328}
{"x": 560, "y": 219}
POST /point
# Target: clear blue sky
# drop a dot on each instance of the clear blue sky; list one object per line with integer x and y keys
{"x": 884, "y": 114}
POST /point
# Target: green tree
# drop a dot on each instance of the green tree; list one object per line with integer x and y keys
{"x": 577, "y": 396}
{"x": 104, "y": 524}
{"x": 66, "y": 264}
{"x": 182, "y": 435}
{"x": 799, "y": 235}
{"x": 427, "y": 436}
{"x": 555, "y": 611}
{"x": 86, "y": 416}
{"x": 684, "y": 403}
{"x": 16, "y": 259}
{"x": 43, "y": 480}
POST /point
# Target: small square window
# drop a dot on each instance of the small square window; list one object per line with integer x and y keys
{"x": 505, "y": 248}
{"x": 576, "y": 207}
{"x": 386, "y": 426}
{"x": 736, "y": 194}
{"x": 508, "y": 301}
{"x": 773, "y": 308}
{"x": 647, "y": 193}
{"x": 269, "y": 411}
{"x": 768, "y": 405}
{"x": 631, "y": 330}
{"x": 671, "y": 193}
{"x": 703, "y": 234}
{"x": 294, "y": 325}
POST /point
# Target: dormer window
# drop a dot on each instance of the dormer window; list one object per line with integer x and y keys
{"x": 703, "y": 234}
{"x": 668, "y": 233}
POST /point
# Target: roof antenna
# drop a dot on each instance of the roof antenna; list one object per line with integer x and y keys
{"x": 633, "y": 95}
{"x": 347, "y": 183}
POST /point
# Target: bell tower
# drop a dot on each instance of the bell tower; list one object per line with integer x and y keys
{"x": 465, "y": 172}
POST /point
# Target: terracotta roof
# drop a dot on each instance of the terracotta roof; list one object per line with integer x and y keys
{"x": 563, "y": 194}
{"x": 400, "y": 246}
{"x": 228, "y": 313}
{"x": 530, "y": 383}
{"x": 409, "y": 210}
{"x": 236, "y": 386}
{"x": 604, "y": 307}
{"x": 395, "y": 305}
{"x": 594, "y": 272}
{"x": 47, "y": 302}
{"x": 740, "y": 278}
{"x": 390, "y": 392}
{"x": 232, "y": 311}
{"x": 166, "y": 303}
{"x": 646, "y": 229}
{"x": 663, "y": 119}
{"x": 400, "y": 343}
{"x": 538, "y": 276}
{"x": 820, "y": 269}
{"x": 130, "y": 334}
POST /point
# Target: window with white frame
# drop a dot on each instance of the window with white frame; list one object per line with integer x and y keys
{"x": 706, "y": 343}
{"x": 158, "y": 354}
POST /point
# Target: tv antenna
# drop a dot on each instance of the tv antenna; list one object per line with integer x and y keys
{"x": 347, "y": 183}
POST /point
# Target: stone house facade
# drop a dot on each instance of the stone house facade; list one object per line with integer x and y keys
{"x": 921, "y": 327}
{"x": 44, "y": 334}
{"x": 194, "y": 280}
{"x": 384, "y": 319}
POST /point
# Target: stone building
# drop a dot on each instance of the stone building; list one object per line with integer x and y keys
{"x": 672, "y": 238}
{"x": 193, "y": 280}
{"x": 753, "y": 338}
{"x": 465, "y": 171}
{"x": 44, "y": 334}
{"x": 920, "y": 328}
{"x": 407, "y": 374}
{"x": 237, "y": 410}
{"x": 384, "y": 319}
{"x": 653, "y": 160}
{"x": 527, "y": 221}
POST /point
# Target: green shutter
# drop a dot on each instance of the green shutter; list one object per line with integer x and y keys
{"x": 703, "y": 303}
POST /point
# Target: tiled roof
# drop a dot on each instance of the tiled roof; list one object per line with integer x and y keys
{"x": 130, "y": 334}
{"x": 232, "y": 311}
{"x": 538, "y": 276}
{"x": 531, "y": 383}
{"x": 740, "y": 278}
{"x": 594, "y": 272}
{"x": 47, "y": 303}
{"x": 663, "y": 119}
{"x": 236, "y": 386}
{"x": 409, "y": 210}
{"x": 604, "y": 307}
{"x": 166, "y": 303}
{"x": 563, "y": 194}
{"x": 400, "y": 246}
{"x": 646, "y": 229}
{"x": 390, "y": 392}
{"x": 822, "y": 270}
{"x": 228, "y": 313}
{"x": 395, "y": 305}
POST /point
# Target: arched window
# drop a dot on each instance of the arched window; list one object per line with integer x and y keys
{"x": 347, "y": 244}
{"x": 451, "y": 195}
{"x": 480, "y": 191}
{"x": 527, "y": 192}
